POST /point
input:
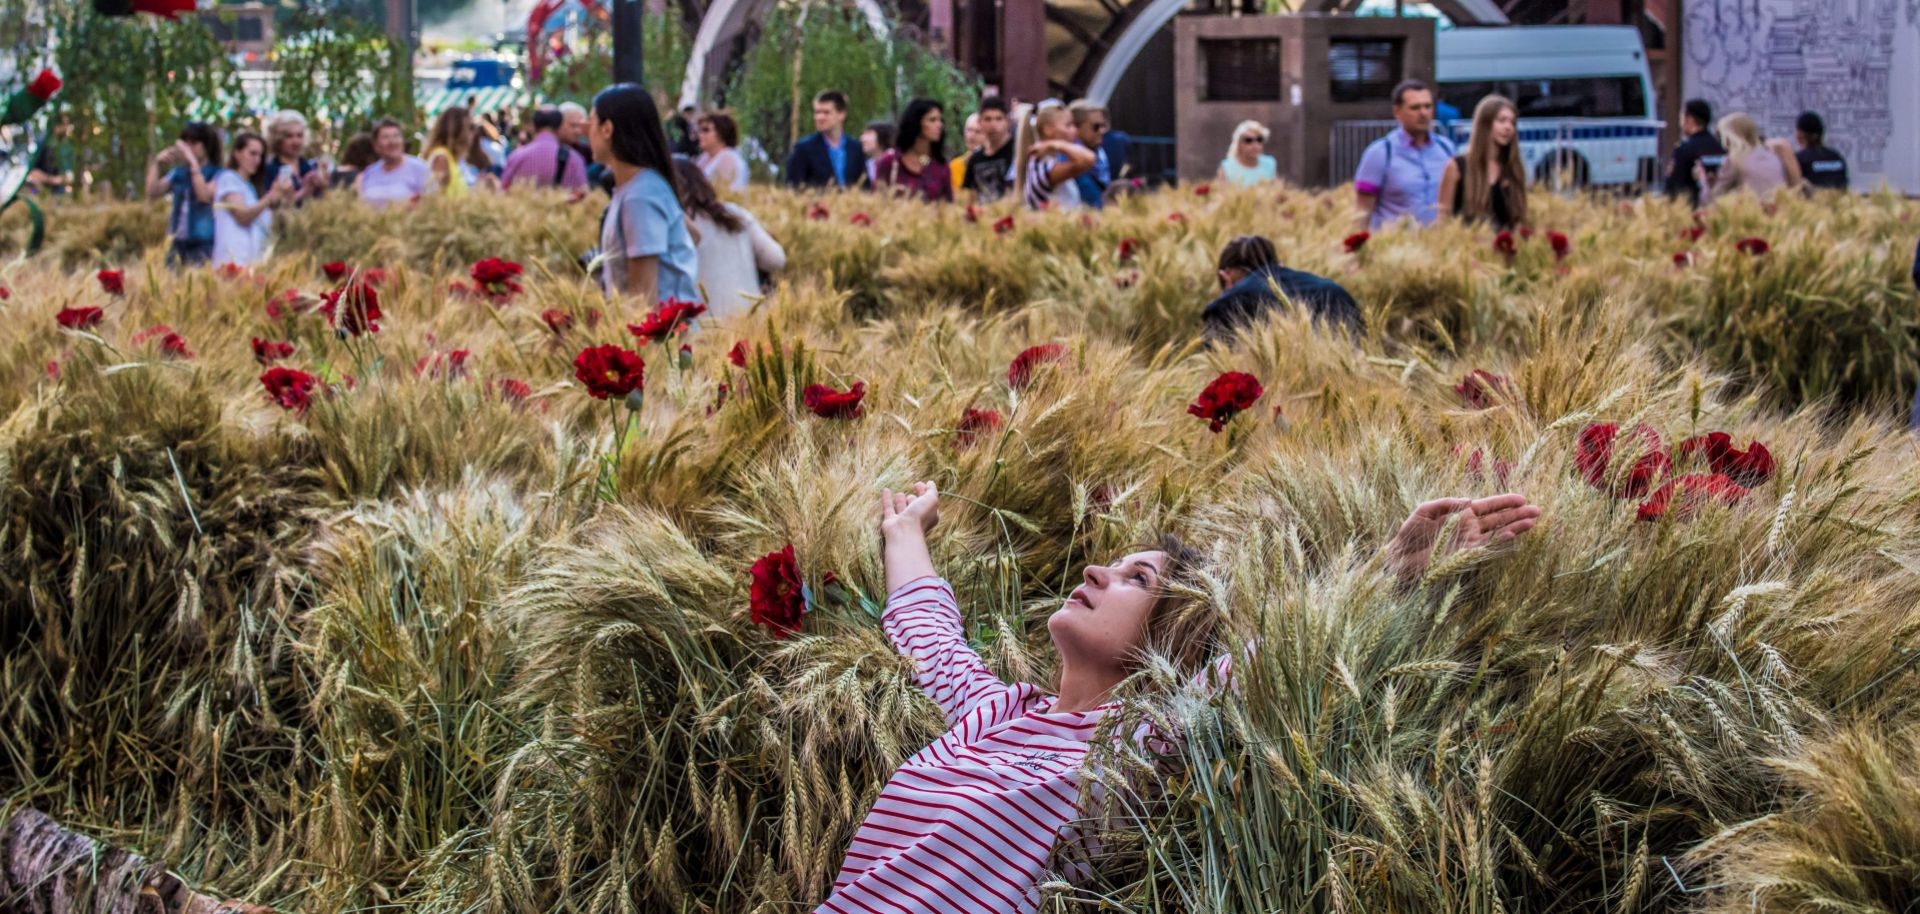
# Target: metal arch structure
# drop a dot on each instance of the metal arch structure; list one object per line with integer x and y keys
{"x": 723, "y": 22}
{"x": 1146, "y": 18}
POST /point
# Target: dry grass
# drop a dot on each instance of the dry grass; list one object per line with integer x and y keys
{"x": 404, "y": 651}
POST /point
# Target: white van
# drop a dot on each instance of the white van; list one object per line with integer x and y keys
{"x": 1584, "y": 92}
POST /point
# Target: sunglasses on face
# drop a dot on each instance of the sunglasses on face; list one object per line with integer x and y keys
{"x": 1253, "y": 141}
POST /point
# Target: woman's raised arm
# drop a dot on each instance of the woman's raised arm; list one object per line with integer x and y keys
{"x": 922, "y": 619}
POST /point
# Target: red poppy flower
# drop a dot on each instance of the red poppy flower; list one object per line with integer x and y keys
{"x": 738, "y": 354}
{"x": 1558, "y": 241}
{"x": 44, "y": 85}
{"x": 5, "y": 293}
{"x": 267, "y": 352}
{"x": 670, "y": 318}
{"x": 449, "y": 365}
{"x": 1128, "y": 248}
{"x": 289, "y": 387}
{"x": 354, "y": 308}
{"x": 818, "y": 212}
{"x": 1683, "y": 259}
{"x": 1754, "y": 247}
{"x": 1003, "y": 225}
{"x": 609, "y": 371}
{"x": 1482, "y": 389}
{"x": 861, "y": 219}
{"x": 973, "y": 424}
{"x": 1504, "y": 243}
{"x": 1526, "y": 233}
{"x": 1691, "y": 491}
{"x": 828, "y": 403}
{"x": 1201, "y": 190}
{"x": 1692, "y": 232}
{"x": 513, "y": 390}
{"x": 1020, "y": 371}
{"x": 1749, "y": 468}
{"x": 719, "y": 398}
{"x": 1596, "y": 453}
{"x": 686, "y": 356}
{"x": 1354, "y": 242}
{"x": 112, "y": 281}
{"x": 1225, "y": 396}
{"x": 495, "y": 277}
{"x": 231, "y": 271}
{"x": 335, "y": 270}
{"x": 82, "y": 317}
{"x": 973, "y": 213}
{"x": 557, "y": 320}
{"x": 1477, "y": 466}
{"x": 1177, "y": 218}
{"x": 776, "y": 597}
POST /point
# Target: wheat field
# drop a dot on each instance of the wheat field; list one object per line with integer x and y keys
{"x": 428, "y": 645}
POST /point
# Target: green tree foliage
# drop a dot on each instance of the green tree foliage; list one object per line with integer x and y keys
{"x": 834, "y": 47}
{"x": 334, "y": 68}
{"x": 667, "y": 45}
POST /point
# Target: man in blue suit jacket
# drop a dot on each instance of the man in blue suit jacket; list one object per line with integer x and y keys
{"x": 827, "y": 157}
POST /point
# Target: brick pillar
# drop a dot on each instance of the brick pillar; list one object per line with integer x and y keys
{"x": 1023, "y": 49}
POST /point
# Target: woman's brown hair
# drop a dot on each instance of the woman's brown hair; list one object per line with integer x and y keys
{"x": 453, "y": 125}
{"x": 1476, "y": 196}
{"x": 723, "y": 127}
{"x": 1181, "y": 628}
{"x": 698, "y": 199}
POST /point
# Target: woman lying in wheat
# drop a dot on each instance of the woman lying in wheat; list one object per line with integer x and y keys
{"x": 967, "y": 823}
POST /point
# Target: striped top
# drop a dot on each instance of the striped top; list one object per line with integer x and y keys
{"x": 967, "y": 823}
{"x": 1041, "y": 191}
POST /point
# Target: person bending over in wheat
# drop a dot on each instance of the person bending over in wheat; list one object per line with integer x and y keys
{"x": 967, "y": 824}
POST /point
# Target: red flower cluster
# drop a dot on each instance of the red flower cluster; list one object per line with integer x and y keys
{"x": 818, "y": 212}
{"x": 353, "y": 309}
{"x": 513, "y": 390}
{"x": 1354, "y": 242}
{"x": 972, "y": 213}
{"x": 1749, "y": 468}
{"x": 44, "y": 84}
{"x": 668, "y": 319}
{"x": 335, "y": 270}
{"x": 973, "y": 424}
{"x": 1482, "y": 389}
{"x": 777, "y": 598}
{"x": 1224, "y": 397}
{"x": 1691, "y": 491}
{"x": 1201, "y": 190}
{"x": 738, "y": 354}
{"x": 860, "y": 219}
{"x": 1128, "y": 248}
{"x": 1558, "y": 241}
{"x": 289, "y": 387}
{"x": 1596, "y": 453}
{"x": 1003, "y": 225}
{"x": 82, "y": 317}
{"x": 828, "y": 403}
{"x": 1753, "y": 247}
{"x": 1177, "y": 218}
{"x": 1693, "y": 232}
{"x": 1683, "y": 259}
{"x": 172, "y": 345}
{"x": 112, "y": 282}
{"x": 1020, "y": 372}
{"x": 495, "y": 277}
{"x": 557, "y": 320}
{"x": 1504, "y": 243}
{"x": 609, "y": 371}
{"x": 267, "y": 352}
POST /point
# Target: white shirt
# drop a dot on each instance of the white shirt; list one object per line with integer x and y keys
{"x": 708, "y": 163}
{"x": 232, "y": 242}
{"x": 731, "y": 263}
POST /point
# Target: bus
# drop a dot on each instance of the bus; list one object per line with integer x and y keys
{"x": 1584, "y": 93}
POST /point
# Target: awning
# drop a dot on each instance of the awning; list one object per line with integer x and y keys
{"x": 487, "y": 99}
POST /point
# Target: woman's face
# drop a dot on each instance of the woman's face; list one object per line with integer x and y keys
{"x": 293, "y": 143}
{"x": 1104, "y": 622}
{"x": 1250, "y": 146}
{"x": 870, "y": 143}
{"x": 1505, "y": 125}
{"x": 389, "y": 145}
{"x": 710, "y": 138}
{"x": 246, "y": 159}
{"x": 933, "y": 125}
{"x": 1057, "y": 128}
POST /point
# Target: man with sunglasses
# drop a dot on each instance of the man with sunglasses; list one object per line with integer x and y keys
{"x": 1091, "y": 122}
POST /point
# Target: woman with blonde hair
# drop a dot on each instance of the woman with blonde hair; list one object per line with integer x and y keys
{"x": 449, "y": 146}
{"x": 1753, "y": 163}
{"x": 1489, "y": 182}
{"x": 1046, "y": 158}
{"x": 1247, "y": 163}
{"x": 286, "y": 151}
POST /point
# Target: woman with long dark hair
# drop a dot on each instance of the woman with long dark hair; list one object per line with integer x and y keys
{"x": 192, "y": 164}
{"x": 243, "y": 216}
{"x": 1489, "y": 181}
{"x": 734, "y": 250}
{"x": 647, "y": 253}
{"x": 916, "y": 166}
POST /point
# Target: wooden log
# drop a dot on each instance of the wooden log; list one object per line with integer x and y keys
{"x": 46, "y": 869}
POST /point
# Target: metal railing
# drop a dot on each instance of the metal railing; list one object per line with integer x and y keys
{"x": 1565, "y": 154}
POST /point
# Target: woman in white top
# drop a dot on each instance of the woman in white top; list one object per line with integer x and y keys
{"x": 734, "y": 250}
{"x": 243, "y": 205}
{"x": 1247, "y": 163}
{"x": 1047, "y": 157}
{"x": 720, "y": 161}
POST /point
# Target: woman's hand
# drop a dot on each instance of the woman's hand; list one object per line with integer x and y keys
{"x": 1486, "y": 521}
{"x": 902, "y": 513}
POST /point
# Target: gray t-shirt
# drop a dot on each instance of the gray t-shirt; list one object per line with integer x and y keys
{"x": 644, "y": 219}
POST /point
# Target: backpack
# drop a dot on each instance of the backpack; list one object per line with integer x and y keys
{"x": 561, "y": 152}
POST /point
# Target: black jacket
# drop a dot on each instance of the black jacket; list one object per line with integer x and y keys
{"x": 1252, "y": 298}
{"x": 1701, "y": 148}
{"x": 1823, "y": 167}
{"x": 810, "y": 165}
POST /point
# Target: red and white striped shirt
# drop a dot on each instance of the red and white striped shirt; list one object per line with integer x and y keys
{"x": 967, "y": 823}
